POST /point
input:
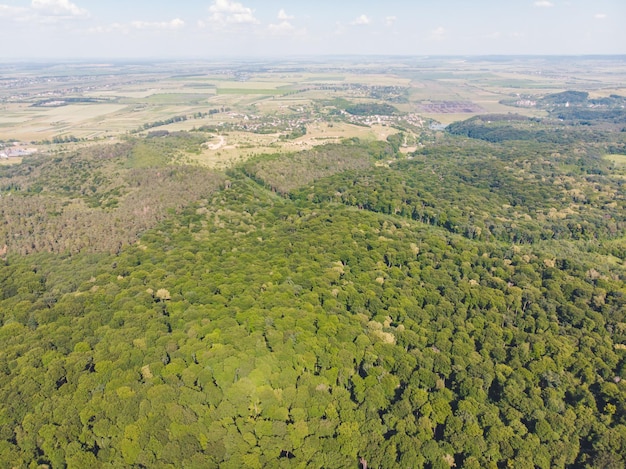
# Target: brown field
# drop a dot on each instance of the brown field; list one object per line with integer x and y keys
{"x": 450, "y": 107}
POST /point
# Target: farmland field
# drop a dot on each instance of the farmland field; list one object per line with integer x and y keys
{"x": 250, "y": 91}
{"x": 274, "y": 107}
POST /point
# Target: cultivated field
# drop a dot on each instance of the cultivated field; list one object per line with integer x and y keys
{"x": 276, "y": 107}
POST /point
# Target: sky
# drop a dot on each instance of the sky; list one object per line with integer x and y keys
{"x": 206, "y": 29}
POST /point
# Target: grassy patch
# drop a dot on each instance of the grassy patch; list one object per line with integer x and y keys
{"x": 619, "y": 160}
{"x": 221, "y": 91}
{"x": 324, "y": 78}
{"x": 146, "y": 156}
{"x": 10, "y": 161}
{"x": 177, "y": 98}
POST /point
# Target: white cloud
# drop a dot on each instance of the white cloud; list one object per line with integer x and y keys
{"x": 176, "y": 23}
{"x": 494, "y": 35}
{"x": 126, "y": 28}
{"x": 6, "y": 10}
{"x": 284, "y": 16}
{"x": 57, "y": 8}
{"x": 339, "y": 28}
{"x": 543, "y": 4}
{"x": 115, "y": 27}
{"x": 438, "y": 34}
{"x": 9, "y": 11}
{"x": 284, "y": 27}
{"x": 361, "y": 20}
{"x": 600, "y": 16}
{"x": 390, "y": 20}
{"x": 44, "y": 11}
{"x": 230, "y": 12}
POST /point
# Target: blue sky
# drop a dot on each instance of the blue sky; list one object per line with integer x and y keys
{"x": 269, "y": 28}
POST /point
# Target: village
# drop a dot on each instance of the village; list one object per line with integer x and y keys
{"x": 15, "y": 150}
{"x": 301, "y": 117}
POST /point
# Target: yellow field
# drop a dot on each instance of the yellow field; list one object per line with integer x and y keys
{"x": 253, "y": 85}
{"x": 39, "y": 123}
{"x": 138, "y": 94}
{"x": 607, "y": 92}
{"x": 619, "y": 160}
{"x": 377, "y": 80}
{"x": 10, "y": 161}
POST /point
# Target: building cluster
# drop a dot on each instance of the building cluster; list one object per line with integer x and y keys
{"x": 264, "y": 124}
{"x": 288, "y": 123}
{"x": 15, "y": 150}
{"x": 375, "y": 119}
{"x": 525, "y": 103}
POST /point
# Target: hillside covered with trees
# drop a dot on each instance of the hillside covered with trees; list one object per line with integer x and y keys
{"x": 463, "y": 305}
{"x": 577, "y": 108}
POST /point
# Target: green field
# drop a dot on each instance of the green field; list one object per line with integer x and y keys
{"x": 247, "y": 91}
{"x": 177, "y": 98}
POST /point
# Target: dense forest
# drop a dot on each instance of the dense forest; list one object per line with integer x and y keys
{"x": 576, "y": 107}
{"x": 460, "y": 306}
{"x": 99, "y": 198}
{"x": 367, "y": 109}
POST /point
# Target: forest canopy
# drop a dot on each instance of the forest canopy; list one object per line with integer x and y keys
{"x": 463, "y": 304}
